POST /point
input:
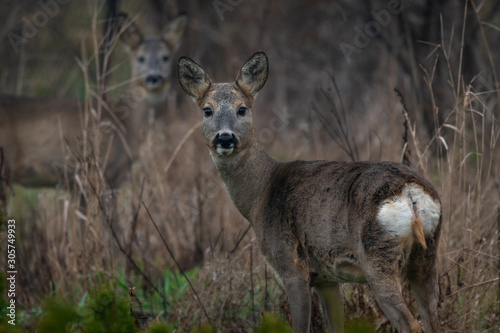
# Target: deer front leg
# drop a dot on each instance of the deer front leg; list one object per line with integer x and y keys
{"x": 291, "y": 262}
{"x": 332, "y": 301}
{"x": 299, "y": 296}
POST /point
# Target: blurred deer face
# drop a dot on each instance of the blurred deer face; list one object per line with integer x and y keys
{"x": 151, "y": 58}
{"x": 151, "y": 64}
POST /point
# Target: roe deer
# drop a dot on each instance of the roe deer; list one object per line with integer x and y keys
{"x": 321, "y": 223}
{"x": 151, "y": 56}
{"x": 36, "y": 131}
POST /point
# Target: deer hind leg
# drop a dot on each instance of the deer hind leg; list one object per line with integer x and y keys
{"x": 387, "y": 291}
{"x": 423, "y": 277}
{"x": 380, "y": 263}
{"x": 332, "y": 301}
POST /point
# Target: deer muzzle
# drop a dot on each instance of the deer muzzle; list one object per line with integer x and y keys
{"x": 225, "y": 143}
{"x": 154, "y": 81}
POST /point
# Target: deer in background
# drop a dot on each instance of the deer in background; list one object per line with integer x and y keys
{"x": 39, "y": 134}
{"x": 151, "y": 51}
{"x": 321, "y": 223}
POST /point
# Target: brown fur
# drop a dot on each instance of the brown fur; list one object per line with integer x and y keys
{"x": 316, "y": 221}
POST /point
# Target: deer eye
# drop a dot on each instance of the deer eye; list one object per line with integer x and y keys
{"x": 164, "y": 58}
{"x": 207, "y": 112}
{"x": 242, "y": 111}
{"x": 141, "y": 60}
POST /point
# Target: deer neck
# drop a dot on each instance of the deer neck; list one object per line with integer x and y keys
{"x": 246, "y": 175}
{"x": 157, "y": 98}
{"x": 137, "y": 104}
{"x": 130, "y": 116}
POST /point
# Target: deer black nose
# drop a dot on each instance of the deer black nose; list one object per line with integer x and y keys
{"x": 153, "y": 81}
{"x": 225, "y": 140}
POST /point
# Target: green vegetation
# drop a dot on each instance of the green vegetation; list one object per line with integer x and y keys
{"x": 108, "y": 309}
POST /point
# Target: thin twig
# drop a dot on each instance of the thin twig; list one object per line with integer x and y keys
{"x": 240, "y": 239}
{"x": 4, "y": 183}
{"x": 109, "y": 31}
{"x": 498, "y": 263}
{"x": 339, "y": 130}
{"x": 488, "y": 52}
{"x": 473, "y": 286}
{"x": 352, "y": 145}
{"x": 266, "y": 293}
{"x": 135, "y": 219}
{"x": 179, "y": 146}
{"x": 415, "y": 140}
{"x": 405, "y": 158}
{"x": 462, "y": 47}
{"x": 326, "y": 124}
{"x": 252, "y": 292}
{"x": 176, "y": 262}
{"x": 122, "y": 249}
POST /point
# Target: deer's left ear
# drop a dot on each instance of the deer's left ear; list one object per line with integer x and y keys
{"x": 193, "y": 78}
{"x": 129, "y": 32}
{"x": 174, "y": 32}
{"x": 253, "y": 74}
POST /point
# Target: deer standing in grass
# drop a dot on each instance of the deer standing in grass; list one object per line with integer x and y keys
{"x": 322, "y": 223}
{"x": 36, "y": 131}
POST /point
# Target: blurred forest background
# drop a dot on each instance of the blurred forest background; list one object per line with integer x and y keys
{"x": 349, "y": 80}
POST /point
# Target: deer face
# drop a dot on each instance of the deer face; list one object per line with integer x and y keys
{"x": 227, "y": 116}
{"x": 151, "y": 64}
{"x": 151, "y": 58}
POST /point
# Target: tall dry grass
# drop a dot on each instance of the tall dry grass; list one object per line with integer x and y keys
{"x": 66, "y": 249}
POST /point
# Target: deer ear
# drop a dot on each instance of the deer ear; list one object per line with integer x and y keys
{"x": 193, "y": 78}
{"x": 129, "y": 32}
{"x": 253, "y": 74}
{"x": 174, "y": 31}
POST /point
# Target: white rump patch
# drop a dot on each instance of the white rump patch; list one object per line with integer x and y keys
{"x": 396, "y": 213}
